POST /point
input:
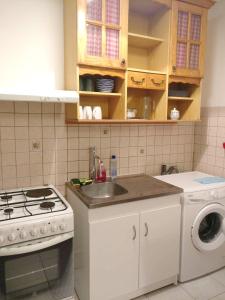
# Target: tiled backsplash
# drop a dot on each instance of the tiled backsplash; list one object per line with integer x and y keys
{"x": 37, "y": 148}
{"x": 209, "y": 155}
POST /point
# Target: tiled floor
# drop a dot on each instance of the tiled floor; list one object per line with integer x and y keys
{"x": 211, "y": 287}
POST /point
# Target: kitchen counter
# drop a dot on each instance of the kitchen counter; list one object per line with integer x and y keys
{"x": 139, "y": 187}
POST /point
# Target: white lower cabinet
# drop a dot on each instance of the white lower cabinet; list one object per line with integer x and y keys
{"x": 159, "y": 245}
{"x": 125, "y": 250}
{"x": 114, "y": 252}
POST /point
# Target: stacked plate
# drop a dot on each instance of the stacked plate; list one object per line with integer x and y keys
{"x": 104, "y": 85}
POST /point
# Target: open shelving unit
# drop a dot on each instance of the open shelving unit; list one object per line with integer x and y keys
{"x": 109, "y": 121}
{"x": 111, "y": 103}
{"x": 148, "y": 40}
{"x": 146, "y": 71}
{"x": 143, "y": 41}
{"x": 187, "y": 100}
{"x": 99, "y": 94}
{"x": 171, "y": 98}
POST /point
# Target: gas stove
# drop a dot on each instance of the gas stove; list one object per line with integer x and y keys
{"x": 27, "y": 214}
{"x": 36, "y": 245}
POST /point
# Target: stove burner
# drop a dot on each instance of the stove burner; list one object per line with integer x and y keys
{"x": 6, "y": 198}
{"x": 39, "y": 193}
{"x": 47, "y": 205}
{"x": 8, "y": 211}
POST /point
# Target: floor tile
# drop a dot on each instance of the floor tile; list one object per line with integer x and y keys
{"x": 203, "y": 288}
{"x": 144, "y": 297}
{"x": 219, "y": 297}
{"x": 219, "y": 276}
{"x": 169, "y": 293}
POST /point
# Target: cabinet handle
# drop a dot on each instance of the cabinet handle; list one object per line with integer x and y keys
{"x": 135, "y": 233}
{"x": 123, "y": 62}
{"x": 146, "y": 229}
{"x": 157, "y": 82}
{"x": 138, "y": 81}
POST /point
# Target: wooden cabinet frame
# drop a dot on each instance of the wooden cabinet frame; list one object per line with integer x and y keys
{"x": 191, "y": 9}
{"x": 102, "y": 61}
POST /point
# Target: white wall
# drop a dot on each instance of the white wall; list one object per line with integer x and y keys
{"x": 31, "y": 44}
{"x": 214, "y": 83}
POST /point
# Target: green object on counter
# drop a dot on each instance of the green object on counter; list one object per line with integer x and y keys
{"x": 81, "y": 181}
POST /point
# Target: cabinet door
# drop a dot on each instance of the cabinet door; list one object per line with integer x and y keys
{"x": 159, "y": 245}
{"x": 102, "y": 32}
{"x": 188, "y": 39}
{"x": 114, "y": 253}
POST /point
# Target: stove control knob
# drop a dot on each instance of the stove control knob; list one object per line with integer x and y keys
{"x": 23, "y": 235}
{"x": 1, "y": 239}
{"x": 12, "y": 237}
{"x": 62, "y": 227}
{"x": 43, "y": 230}
{"x": 34, "y": 232}
{"x": 54, "y": 228}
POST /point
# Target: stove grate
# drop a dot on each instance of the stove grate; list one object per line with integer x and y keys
{"x": 27, "y": 204}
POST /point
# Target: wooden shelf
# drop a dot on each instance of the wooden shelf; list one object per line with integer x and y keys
{"x": 99, "y": 94}
{"x": 143, "y": 41}
{"x": 131, "y": 121}
{"x": 173, "y": 98}
{"x": 146, "y": 71}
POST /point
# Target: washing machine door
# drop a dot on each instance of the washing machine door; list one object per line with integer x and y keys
{"x": 208, "y": 229}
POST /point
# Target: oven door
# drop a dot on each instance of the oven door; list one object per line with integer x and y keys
{"x": 39, "y": 270}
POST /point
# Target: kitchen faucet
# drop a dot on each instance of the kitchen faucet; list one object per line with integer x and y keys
{"x": 171, "y": 170}
{"x": 92, "y": 162}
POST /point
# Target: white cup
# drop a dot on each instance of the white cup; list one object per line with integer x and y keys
{"x": 87, "y": 112}
{"x": 81, "y": 113}
{"x": 97, "y": 113}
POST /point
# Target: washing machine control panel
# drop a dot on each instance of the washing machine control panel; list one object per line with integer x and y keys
{"x": 216, "y": 194}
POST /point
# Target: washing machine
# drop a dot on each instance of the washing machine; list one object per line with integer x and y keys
{"x": 203, "y": 223}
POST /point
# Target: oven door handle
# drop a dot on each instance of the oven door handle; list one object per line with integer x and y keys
{"x": 32, "y": 246}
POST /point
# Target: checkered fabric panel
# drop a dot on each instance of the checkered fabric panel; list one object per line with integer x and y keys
{"x": 194, "y": 57}
{"x": 181, "y": 55}
{"x": 94, "y": 10}
{"x": 113, "y": 12}
{"x": 182, "y": 27}
{"x": 195, "y": 27}
{"x": 112, "y": 43}
{"x": 94, "y": 40}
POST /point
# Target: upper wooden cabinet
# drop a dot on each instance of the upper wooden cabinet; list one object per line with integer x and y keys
{"x": 189, "y": 23}
{"x": 102, "y": 32}
{"x": 153, "y": 49}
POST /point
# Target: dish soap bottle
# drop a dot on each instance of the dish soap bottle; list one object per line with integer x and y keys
{"x": 113, "y": 166}
{"x": 101, "y": 172}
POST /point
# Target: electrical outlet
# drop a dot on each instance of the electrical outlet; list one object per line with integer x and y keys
{"x": 142, "y": 151}
{"x": 105, "y": 131}
{"x": 36, "y": 146}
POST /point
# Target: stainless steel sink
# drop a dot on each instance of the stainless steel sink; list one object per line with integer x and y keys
{"x": 102, "y": 190}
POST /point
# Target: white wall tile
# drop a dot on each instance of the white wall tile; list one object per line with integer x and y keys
{"x": 7, "y": 119}
{"x": 64, "y": 149}
{"x": 21, "y": 107}
{"x": 21, "y": 119}
{"x": 7, "y": 107}
{"x": 7, "y": 133}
